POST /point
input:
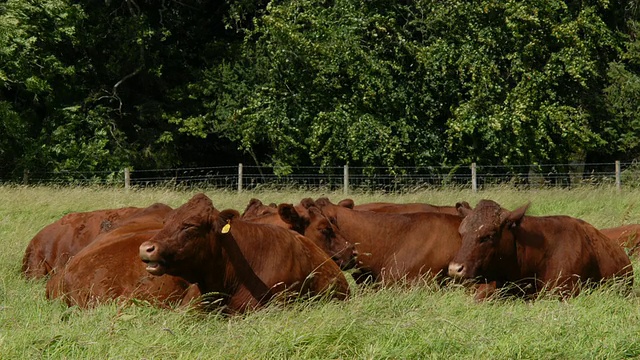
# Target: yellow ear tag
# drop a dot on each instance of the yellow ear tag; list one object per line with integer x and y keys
{"x": 226, "y": 228}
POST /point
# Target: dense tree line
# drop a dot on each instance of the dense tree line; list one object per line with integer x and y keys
{"x": 89, "y": 86}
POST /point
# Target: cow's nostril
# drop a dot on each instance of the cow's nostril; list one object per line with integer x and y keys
{"x": 150, "y": 249}
{"x": 456, "y": 269}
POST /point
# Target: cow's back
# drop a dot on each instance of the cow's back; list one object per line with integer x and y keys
{"x": 405, "y": 208}
{"x": 110, "y": 268}
{"x": 626, "y": 236}
{"x": 401, "y": 246}
{"x": 57, "y": 242}
{"x": 561, "y": 246}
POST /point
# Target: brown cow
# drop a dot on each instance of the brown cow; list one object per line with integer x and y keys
{"x": 626, "y": 236}
{"x": 402, "y": 208}
{"x": 52, "y": 246}
{"x": 548, "y": 252}
{"x": 316, "y": 227}
{"x": 245, "y": 264}
{"x": 109, "y": 268}
{"x": 393, "y": 247}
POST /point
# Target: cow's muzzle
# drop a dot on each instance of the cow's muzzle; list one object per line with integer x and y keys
{"x": 149, "y": 256}
{"x": 457, "y": 270}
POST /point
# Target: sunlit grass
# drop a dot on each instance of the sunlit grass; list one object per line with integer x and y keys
{"x": 399, "y": 322}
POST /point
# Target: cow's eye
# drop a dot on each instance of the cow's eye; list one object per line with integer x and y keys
{"x": 487, "y": 237}
{"x": 188, "y": 226}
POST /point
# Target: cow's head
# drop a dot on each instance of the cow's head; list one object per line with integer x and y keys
{"x": 308, "y": 220}
{"x": 256, "y": 208}
{"x": 329, "y": 209}
{"x": 182, "y": 246}
{"x": 488, "y": 245}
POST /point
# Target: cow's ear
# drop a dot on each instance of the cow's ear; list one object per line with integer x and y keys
{"x": 225, "y": 216}
{"x": 307, "y": 203}
{"x": 288, "y": 214}
{"x": 513, "y": 218}
{"x": 253, "y": 203}
{"x": 348, "y": 203}
{"x": 314, "y": 212}
{"x": 463, "y": 208}
{"x": 323, "y": 201}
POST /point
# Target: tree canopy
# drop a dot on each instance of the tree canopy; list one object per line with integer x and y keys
{"x": 96, "y": 86}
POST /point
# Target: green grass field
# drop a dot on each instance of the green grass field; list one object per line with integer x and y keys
{"x": 422, "y": 322}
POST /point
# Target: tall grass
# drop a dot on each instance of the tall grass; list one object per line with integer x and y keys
{"x": 398, "y": 322}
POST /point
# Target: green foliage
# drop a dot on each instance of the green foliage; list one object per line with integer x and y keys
{"x": 373, "y": 83}
{"x": 34, "y": 77}
{"x": 82, "y": 142}
{"x": 529, "y": 77}
{"x": 316, "y": 82}
{"x": 622, "y": 94}
{"x": 323, "y": 83}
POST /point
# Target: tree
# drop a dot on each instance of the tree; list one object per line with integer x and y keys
{"x": 623, "y": 90}
{"x": 90, "y": 86}
{"x": 530, "y": 75}
{"x": 431, "y": 82}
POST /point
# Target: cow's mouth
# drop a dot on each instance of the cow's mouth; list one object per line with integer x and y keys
{"x": 154, "y": 267}
{"x": 345, "y": 264}
{"x": 149, "y": 255}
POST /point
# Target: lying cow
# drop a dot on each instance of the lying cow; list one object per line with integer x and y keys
{"x": 626, "y": 236}
{"x": 109, "y": 268}
{"x": 401, "y": 208}
{"x": 57, "y": 242}
{"x": 245, "y": 264}
{"x": 394, "y": 247}
{"x": 316, "y": 227}
{"x": 548, "y": 252}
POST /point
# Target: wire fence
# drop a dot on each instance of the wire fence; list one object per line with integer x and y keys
{"x": 358, "y": 179}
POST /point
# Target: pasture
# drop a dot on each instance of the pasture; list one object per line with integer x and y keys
{"x": 423, "y": 322}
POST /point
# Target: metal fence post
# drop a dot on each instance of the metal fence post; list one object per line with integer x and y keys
{"x": 345, "y": 180}
{"x": 474, "y": 181}
{"x": 239, "y": 178}
{"x": 618, "y": 182}
{"x": 127, "y": 178}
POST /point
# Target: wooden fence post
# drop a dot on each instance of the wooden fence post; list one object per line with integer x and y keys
{"x": 345, "y": 180}
{"x": 618, "y": 181}
{"x": 239, "y": 178}
{"x": 127, "y": 178}
{"x": 474, "y": 181}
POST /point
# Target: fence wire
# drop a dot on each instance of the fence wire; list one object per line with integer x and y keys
{"x": 379, "y": 179}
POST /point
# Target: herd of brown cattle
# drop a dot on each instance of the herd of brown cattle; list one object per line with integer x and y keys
{"x": 197, "y": 255}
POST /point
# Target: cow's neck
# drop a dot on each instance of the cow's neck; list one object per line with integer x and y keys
{"x": 531, "y": 247}
{"x": 210, "y": 271}
{"x": 372, "y": 232}
{"x": 369, "y": 228}
{"x": 508, "y": 256}
{"x": 239, "y": 270}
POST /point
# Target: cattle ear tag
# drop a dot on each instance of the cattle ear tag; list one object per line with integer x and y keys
{"x": 226, "y": 228}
